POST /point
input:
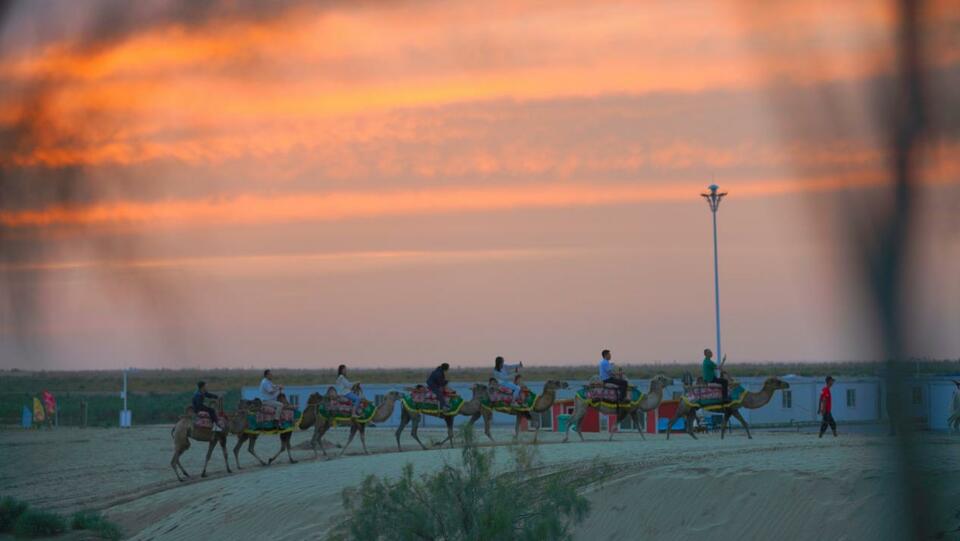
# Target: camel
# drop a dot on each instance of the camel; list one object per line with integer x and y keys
{"x": 184, "y": 431}
{"x": 472, "y": 408}
{"x": 647, "y": 402}
{"x": 750, "y": 401}
{"x": 382, "y": 412}
{"x": 238, "y": 426}
{"x": 542, "y": 403}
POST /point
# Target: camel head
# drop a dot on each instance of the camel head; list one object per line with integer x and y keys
{"x": 660, "y": 382}
{"x": 775, "y": 384}
{"x": 314, "y": 398}
{"x": 480, "y": 390}
{"x": 247, "y": 405}
{"x": 331, "y": 393}
{"x": 392, "y": 396}
{"x": 553, "y": 384}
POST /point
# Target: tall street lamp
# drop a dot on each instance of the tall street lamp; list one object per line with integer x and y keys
{"x": 713, "y": 199}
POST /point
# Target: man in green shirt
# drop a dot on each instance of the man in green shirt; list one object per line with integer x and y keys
{"x": 711, "y": 372}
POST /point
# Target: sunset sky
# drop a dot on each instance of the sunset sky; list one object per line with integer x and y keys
{"x": 406, "y": 183}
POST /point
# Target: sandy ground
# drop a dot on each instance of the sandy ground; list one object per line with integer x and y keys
{"x": 778, "y": 485}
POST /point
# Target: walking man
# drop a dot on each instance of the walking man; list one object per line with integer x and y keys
{"x": 824, "y": 408}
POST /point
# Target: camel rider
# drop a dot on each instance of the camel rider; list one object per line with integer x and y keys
{"x": 345, "y": 388}
{"x": 199, "y": 406}
{"x": 606, "y": 375}
{"x": 501, "y": 372}
{"x": 437, "y": 382}
{"x": 711, "y": 373}
{"x": 270, "y": 393}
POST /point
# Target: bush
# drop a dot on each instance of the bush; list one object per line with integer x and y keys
{"x": 469, "y": 502}
{"x": 95, "y": 522}
{"x": 39, "y": 524}
{"x": 10, "y": 511}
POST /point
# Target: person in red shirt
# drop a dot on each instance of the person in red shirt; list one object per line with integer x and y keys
{"x": 826, "y": 404}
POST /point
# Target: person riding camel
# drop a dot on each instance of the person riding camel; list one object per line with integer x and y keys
{"x": 437, "y": 382}
{"x": 199, "y": 406}
{"x": 712, "y": 373}
{"x": 501, "y": 372}
{"x": 607, "y": 375}
{"x": 270, "y": 392}
{"x": 346, "y": 388}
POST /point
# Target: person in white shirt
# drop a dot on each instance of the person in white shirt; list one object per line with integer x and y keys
{"x": 345, "y": 388}
{"x": 607, "y": 375}
{"x": 270, "y": 393}
{"x": 501, "y": 372}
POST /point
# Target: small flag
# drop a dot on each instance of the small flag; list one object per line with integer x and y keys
{"x": 50, "y": 403}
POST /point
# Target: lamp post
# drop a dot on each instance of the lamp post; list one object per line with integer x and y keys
{"x": 713, "y": 199}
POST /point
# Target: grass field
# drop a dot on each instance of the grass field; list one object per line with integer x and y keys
{"x": 159, "y": 396}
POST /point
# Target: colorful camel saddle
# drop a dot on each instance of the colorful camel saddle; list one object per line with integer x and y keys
{"x": 422, "y": 400}
{"x": 340, "y": 409}
{"x": 597, "y": 395}
{"x": 502, "y": 399}
{"x": 709, "y": 396}
{"x": 263, "y": 421}
{"x": 202, "y": 421}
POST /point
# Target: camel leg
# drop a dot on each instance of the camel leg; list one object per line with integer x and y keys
{"x": 285, "y": 441}
{"x": 691, "y": 416}
{"x": 516, "y": 429}
{"x": 415, "y": 424}
{"x": 723, "y": 425}
{"x": 449, "y": 422}
{"x": 536, "y": 433}
{"x": 213, "y": 443}
{"x": 250, "y": 449}
{"x": 635, "y": 417}
{"x": 241, "y": 438}
{"x": 363, "y": 439}
{"x": 487, "y": 421}
{"x": 175, "y": 461}
{"x": 673, "y": 421}
{"x": 223, "y": 447}
{"x": 353, "y": 432}
{"x": 746, "y": 427}
{"x": 320, "y": 431}
{"x": 404, "y": 419}
{"x": 282, "y": 449}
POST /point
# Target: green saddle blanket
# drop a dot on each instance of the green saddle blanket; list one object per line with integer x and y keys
{"x": 595, "y": 395}
{"x": 426, "y": 402}
{"x": 341, "y": 410}
{"x": 710, "y": 399}
{"x": 257, "y": 424}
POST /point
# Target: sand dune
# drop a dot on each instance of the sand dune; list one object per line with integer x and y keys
{"x": 778, "y": 485}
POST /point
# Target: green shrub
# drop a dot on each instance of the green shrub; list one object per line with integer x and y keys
{"x": 34, "y": 523}
{"x": 95, "y": 522}
{"x": 470, "y": 501}
{"x": 10, "y": 511}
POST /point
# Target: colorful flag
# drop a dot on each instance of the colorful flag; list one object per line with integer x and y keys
{"x": 38, "y": 415}
{"x": 50, "y": 403}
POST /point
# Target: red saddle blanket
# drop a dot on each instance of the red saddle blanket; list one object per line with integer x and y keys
{"x": 202, "y": 420}
{"x": 601, "y": 393}
{"x": 423, "y": 395}
{"x": 705, "y": 391}
{"x": 505, "y": 395}
{"x": 267, "y": 414}
{"x": 343, "y": 406}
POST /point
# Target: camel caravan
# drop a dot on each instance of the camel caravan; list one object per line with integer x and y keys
{"x": 505, "y": 392}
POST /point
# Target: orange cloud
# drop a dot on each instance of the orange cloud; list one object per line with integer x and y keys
{"x": 335, "y": 206}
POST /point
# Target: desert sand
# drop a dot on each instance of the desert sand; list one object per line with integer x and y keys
{"x": 783, "y": 485}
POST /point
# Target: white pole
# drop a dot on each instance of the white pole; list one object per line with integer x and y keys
{"x": 716, "y": 284}
{"x": 713, "y": 199}
{"x": 124, "y": 389}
